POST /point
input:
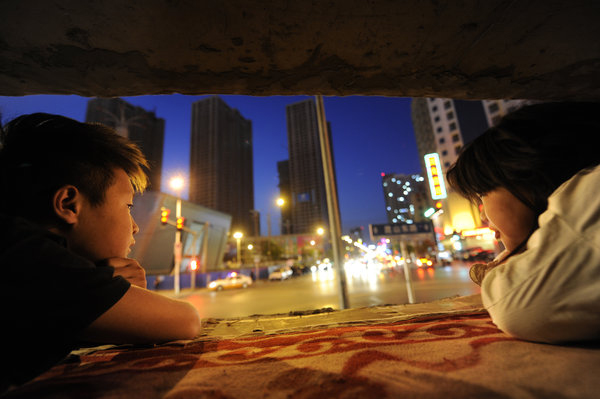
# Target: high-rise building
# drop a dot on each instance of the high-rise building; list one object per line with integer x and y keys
{"x": 496, "y": 109}
{"x": 140, "y": 126}
{"x": 307, "y": 184}
{"x": 283, "y": 169}
{"x": 406, "y": 197}
{"x": 221, "y": 168}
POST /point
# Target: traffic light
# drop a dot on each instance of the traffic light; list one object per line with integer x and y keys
{"x": 193, "y": 264}
{"x": 180, "y": 222}
{"x": 438, "y": 205}
{"x": 164, "y": 216}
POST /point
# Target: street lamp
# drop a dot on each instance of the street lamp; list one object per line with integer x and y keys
{"x": 238, "y": 236}
{"x": 320, "y": 231}
{"x": 177, "y": 183}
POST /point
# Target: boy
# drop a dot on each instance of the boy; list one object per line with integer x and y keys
{"x": 66, "y": 190}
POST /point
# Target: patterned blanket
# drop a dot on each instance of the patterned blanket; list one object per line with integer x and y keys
{"x": 457, "y": 355}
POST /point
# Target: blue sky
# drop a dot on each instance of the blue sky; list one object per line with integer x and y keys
{"x": 370, "y": 135}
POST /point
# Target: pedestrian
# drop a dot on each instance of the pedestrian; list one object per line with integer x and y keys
{"x": 66, "y": 230}
{"x": 537, "y": 178}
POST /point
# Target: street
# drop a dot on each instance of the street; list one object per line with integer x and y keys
{"x": 320, "y": 289}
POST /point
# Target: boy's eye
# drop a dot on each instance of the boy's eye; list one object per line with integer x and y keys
{"x": 130, "y": 206}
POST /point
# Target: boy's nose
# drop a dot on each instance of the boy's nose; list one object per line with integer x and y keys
{"x": 136, "y": 229}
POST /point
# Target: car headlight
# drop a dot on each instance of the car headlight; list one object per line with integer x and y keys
{"x": 212, "y": 285}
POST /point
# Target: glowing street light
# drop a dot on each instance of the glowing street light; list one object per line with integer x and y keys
{"x": 250, "y": 247}
{"x": 280, "y": 202}
{"x": 320, "y": 231}
{"x": 176, "y": 183}
{"x": 238, "y": 237}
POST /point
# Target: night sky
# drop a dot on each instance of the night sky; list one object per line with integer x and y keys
{"x": 370, "y": 135}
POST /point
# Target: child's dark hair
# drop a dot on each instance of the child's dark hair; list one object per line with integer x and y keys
{"x": 40, "y": 153}
{"x": 530, "y": 152}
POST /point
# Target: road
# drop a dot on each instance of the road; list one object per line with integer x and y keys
{"x": 320, "y": 289}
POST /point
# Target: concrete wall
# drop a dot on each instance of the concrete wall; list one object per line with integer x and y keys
{"x": 418, "y": 48}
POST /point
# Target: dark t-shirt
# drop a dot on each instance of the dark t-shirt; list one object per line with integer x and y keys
{"x": 48, "y": 295}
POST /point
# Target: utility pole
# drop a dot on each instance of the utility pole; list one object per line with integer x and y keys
{"x": 332, "y": 201}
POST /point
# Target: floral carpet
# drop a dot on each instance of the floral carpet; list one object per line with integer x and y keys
{"x": 457, "y": 355}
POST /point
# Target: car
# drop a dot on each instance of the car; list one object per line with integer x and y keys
{"x": 424, "y": 262}
{"x": 233, "y": 280}
{"x": 281, "y": 274}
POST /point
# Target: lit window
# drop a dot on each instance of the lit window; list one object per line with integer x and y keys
{"x": 393, "y": 179}
{"x": 390, "y": 195}
{"x": 394, "y": 220}
{"x": 385, "y": 184}
{"x": 389, "y": 208}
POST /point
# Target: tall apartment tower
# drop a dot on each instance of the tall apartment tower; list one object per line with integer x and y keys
{"x": 496, "y": 109}
{"x": 406, "y": 197}
{"x": 140, "y": 126}
{"x": 221, "y": 168}
{"x": 307, "y": 184}
{"x": 444, "y": 125}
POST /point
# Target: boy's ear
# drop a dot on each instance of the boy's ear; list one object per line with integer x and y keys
{"x": 66, "y": 204}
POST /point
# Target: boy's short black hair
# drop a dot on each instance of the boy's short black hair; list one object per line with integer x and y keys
{"x": 41, "y": 152}
{"x": 530, "y": 152}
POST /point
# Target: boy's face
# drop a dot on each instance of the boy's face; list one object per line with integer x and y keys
{"x": 106, "y": 230}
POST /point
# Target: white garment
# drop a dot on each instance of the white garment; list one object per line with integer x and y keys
{"x": 551, "y": 291}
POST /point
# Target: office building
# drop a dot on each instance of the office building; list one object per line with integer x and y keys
{"x": 140, "y": 126}
{"x": 283, "y": 170}
{"x": 221, "y": 168}
{"x": 307, "y": 183}
{"x": 406, "y": 197}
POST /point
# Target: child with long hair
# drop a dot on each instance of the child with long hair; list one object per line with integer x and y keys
{"x": 537, "y": 176}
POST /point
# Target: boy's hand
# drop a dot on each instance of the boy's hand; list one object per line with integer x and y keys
{"x": 129, "y": 269}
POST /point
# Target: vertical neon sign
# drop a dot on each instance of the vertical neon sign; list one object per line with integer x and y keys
{"x": 435, "y": 176}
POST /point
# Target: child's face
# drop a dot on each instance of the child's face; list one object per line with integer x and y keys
{"x": 107, "y": 230}
{"x": 511, "y": 219}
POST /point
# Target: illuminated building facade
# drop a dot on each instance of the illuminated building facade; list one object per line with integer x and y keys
{"x": 307, "y": 184}
{"x": 140, "y": 126}
{"x": 221, "y": 168}
{"x": 406, "y": 197}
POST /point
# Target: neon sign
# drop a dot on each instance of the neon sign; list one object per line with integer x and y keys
{"x": 435, "y": 176}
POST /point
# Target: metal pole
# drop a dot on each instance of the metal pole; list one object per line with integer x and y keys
{"x": 193, "y": 282}
{"x": 409, "y": 287}
{"x": 177, "y": 250}
{"x": 269, "y": 235}
{"x": 239, "y": 261}
{"x": 332, "y": 201}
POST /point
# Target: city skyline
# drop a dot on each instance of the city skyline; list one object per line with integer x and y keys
{"x": 371, "y": 135}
